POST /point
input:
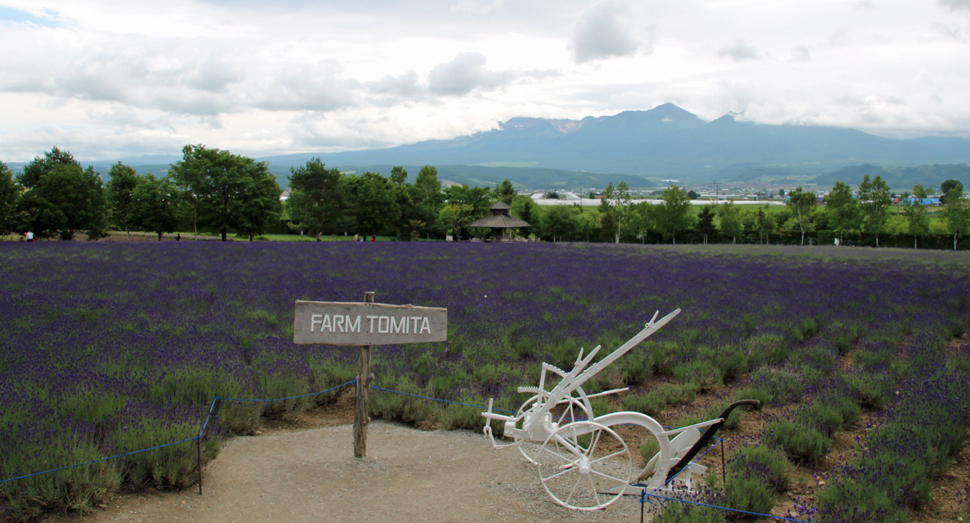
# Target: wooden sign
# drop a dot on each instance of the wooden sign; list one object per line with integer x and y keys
{"x": 365, "y": 324}
{"x": 338, "y": 323}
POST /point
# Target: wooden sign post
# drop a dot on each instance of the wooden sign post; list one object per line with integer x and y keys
{"x": 366, "y": 324}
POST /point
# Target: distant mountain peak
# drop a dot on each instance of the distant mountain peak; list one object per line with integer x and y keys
{"x": 524, "y": 122}
{"x": 666, "y": 113}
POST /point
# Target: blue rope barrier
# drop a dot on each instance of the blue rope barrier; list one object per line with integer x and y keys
{"x": 100, "y": 459}
{"x": 201, "y": 432}
{"x": 440, "y": 400}
{"x": 783, "y": 518}
{"x": 653, "y": 494}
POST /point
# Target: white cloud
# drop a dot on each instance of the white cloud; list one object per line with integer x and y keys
{"x": 956, "y": 4}
{"x": 601, "y": 33}
{"x": 739, "y": 51}
{"x": 802, "y": 53}
{"x": 315, "y": 76}
{"x": 464, "y": 74}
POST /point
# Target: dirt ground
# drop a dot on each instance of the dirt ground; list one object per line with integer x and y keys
{"x": 303, "y": 469}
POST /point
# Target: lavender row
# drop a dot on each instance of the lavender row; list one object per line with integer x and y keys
{"x": 99, "y": 340}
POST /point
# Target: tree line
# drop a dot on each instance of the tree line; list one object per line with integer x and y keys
{"x": 217, "y": 191}
{"x": 841, "y": 215}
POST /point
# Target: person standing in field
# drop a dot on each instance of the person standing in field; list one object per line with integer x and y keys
{"x": 373, "y": 238}
{"x": 29, "y": 236}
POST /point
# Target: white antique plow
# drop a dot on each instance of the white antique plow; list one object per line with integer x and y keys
{"x": 582, "y": 462}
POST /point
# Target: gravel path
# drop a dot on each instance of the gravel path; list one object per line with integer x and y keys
{"x": 409, "y": 475}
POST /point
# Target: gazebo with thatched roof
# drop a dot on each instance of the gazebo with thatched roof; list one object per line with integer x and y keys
{"x": 499, "y": 220}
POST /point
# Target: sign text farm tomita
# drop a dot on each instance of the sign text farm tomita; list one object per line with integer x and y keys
{"x": 365, "y": 324}
{"x": 337, "y": 323}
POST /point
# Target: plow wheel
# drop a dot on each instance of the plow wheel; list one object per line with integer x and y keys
{"x": 574, "y": 408}
{"x": 582, "y": 460}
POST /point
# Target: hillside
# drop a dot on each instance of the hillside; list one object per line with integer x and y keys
{"x": 666, "y": 141}
{"x": 901, "y": 178}
{"x": 644, "y": 147}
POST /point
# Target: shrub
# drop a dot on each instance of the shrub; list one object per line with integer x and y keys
{"x": 843, "y": 336}
{"x": 649, "y": 447}
{"x": 655, "y": 401}
{"x": 398, "y": 407}
{"x": 823, "y": 417}
{"x": 750, "y": 494}
{"x": 602, "y": 405}
{"x": 848, "y": 500}
{"x": 765, "y": 349}
{"x": 667, "y": 355}
{"x": 818, "y": 356}
{"x": 800, "y": 443}
{"x": 679, "y": 512}
{"x": 783, "y": 384}
{"x": 702, "y": 372}
{"x": 761, "y": 461}
{"x": 873, "y": 390}
{"x": 635, "y": 368}
{"x": 650, "y": 404}
{"x": 730, "y": 360}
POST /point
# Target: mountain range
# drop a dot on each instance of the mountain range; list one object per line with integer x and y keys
{"x": 644, "y": 148}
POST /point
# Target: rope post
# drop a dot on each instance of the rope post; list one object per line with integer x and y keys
{"x": 198, "y": 440}
{"x": 723, "y": 467}
{"x": 362, "y": 399}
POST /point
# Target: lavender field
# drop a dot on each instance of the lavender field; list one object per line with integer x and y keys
{"x": 112, "y": 347}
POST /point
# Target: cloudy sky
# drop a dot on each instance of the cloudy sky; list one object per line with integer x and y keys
{"x": 113, "y": 78}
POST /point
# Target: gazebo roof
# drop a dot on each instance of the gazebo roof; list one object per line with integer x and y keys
{"x": 499, "y": 219}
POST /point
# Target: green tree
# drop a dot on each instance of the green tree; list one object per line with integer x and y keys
{"x": 607, "y": 218}
{"x": 318, "y": 198}
{"x": 674, "y": 215}
{"x": 948, "y": 185}
{"x": 561, "y": 222}
{"x": 527, "y": 210}
{"x": 766, "y": 225}
{"x": 65, "y": 200}
{"x": 705, "y": 223}
{"x": 227, "y": 191}
{"x": 956, "y": 214}
{"x": 802, "y": 204}
{"x": 411, "y": 223}
{"x": 842, "y": 208}
{"x": 155, "y": 205}
{"x": 874, "y": 205}
{"x": 612, "y": 208}
{"x": 455, "y": 216}
{"x": 917, "y": 216}
{"x": 641, "y": 219}
{"x": 427, "y": 198}
{"x": 399, "y": 176}
{"x": 8, "y": 199}
{"x": 553, "y": 195}
{"x": 730, "y": 218}
{"x": 749, "y": 222}
{"x": 468, "y": 204}
{"x": 505, "y": 192}
{"x": 374, "y": 200}
{"x": 622, "y": 199}
{"x": 39, "y": 167}
{"x": 120, "y": 188}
